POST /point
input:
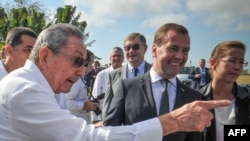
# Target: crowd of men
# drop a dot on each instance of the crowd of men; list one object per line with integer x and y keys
{"x": 52, "y": 89}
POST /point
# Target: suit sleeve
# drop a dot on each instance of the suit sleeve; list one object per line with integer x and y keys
{"x": 192, "y": 75}
{"x": 113, "y": 111}
{"x": 108, "y": 98}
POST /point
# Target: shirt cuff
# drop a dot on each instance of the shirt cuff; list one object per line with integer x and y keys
{"x": 150, "y": 129}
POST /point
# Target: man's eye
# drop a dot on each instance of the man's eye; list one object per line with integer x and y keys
{"x": 28, "y": 50}
{"x": 173, "y": 49}
{"x": 185, "y": 51}
{"x": 232, "y": 61}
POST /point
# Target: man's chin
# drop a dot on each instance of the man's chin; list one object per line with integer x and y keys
{"x": 66, "y": 89}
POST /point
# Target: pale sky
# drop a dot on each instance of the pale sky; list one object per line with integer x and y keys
{"x": 209, "y": 22}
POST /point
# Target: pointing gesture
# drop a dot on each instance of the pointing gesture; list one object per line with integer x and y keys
{"x": 194, "y": 116}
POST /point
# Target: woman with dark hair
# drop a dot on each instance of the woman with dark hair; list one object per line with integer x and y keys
{"x": 226, "y": 64}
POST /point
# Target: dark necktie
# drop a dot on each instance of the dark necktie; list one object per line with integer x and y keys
{"x": 135, "y": 71}
{"x": 164, "y": 105}
{"x": 203, "y": 75}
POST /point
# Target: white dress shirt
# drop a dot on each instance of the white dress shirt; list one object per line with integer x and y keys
{"x": 158, "y": 88}
{"x": 141, "y": 70}
{"x": 30, "y": 112}
{"x": 75, "y": 100}
{"x": 61, "y": 99}
{"x": 100, "y": 86}
{"x": 3, "y": 71}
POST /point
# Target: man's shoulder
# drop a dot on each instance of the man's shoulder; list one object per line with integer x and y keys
{"x": 147, "y": 66}
{"x": 117, "y": 71}
{"x": 188, "y": 89}
{"x": 104, "y": 72}
{"x": 137, "y": 79}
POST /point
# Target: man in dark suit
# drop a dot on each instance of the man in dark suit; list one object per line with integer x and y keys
{"x": 135, "y": 46}
{"x": 200, "y": 75}
{"x": 140, "y": 98}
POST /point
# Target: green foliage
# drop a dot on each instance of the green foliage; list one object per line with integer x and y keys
{"x": 4, "y": 24}
{"x": 29, "y": 14}
{"x": 1, "y": 45}
{"x": 20, "y": 16}
{"x": 66, "y": 14}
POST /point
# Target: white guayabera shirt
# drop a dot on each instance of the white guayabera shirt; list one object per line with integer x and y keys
{"x": 3, "y": 71}
{"x": 30, "y": 112}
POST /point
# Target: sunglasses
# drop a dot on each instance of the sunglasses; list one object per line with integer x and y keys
{"x": 76, "y": 61}
{"x": 134, "y": 47}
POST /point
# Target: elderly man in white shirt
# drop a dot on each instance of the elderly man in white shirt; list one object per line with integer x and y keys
{"x": 116, "y": 59}
{"x": 30, "y": 112}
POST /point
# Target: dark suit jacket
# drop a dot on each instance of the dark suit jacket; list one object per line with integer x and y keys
{"x": 196, "y": 81}
{"x": 120, "y": 73}
{"x": 133, "y": 102}
{"x": 242, "y": 109}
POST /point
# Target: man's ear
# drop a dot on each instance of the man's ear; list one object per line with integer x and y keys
{"x": 212, "y": 63}
{"x": 145, "y": 49}
{"x": 43, "y": 56}
{"x": 154, "y": 48}
{"x": 9, "y": 50}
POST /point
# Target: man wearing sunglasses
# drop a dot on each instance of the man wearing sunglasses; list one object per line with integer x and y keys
{"x": 18, "y": 46}
{"x": 77, "y": 100}
{"x": 30, "y": 112}
{"x": 135, "y": 47}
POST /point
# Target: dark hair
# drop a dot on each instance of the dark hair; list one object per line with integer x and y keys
{"x": 162, "y": 31}
{"x": 14, "y": 36}
{"x": 97, "y": 62}
{"x": 134, "y": 35}
{"x": 88, "y": 58}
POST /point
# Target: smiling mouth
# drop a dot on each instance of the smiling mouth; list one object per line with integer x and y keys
{"x": 175, "y": 64}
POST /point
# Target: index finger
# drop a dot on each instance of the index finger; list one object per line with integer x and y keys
{"x": 211, "y": 104}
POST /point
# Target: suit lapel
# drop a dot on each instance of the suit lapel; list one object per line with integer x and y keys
{"x": 124, "y": 71}
{"x": 181, "y": 95}
{"x": 146, "y": 89}
{"x": 147, "y": 67}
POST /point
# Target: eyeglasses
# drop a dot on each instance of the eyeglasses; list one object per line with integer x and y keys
{"x": 86, "y": 64}
{"x": 76, "y": 61}
{"x": 134, "y": 47}
{"x": 235, "y": 61}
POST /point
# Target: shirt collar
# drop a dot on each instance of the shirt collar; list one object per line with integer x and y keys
{"x": 156, "y": 77}
{"x": 140, "y": 67}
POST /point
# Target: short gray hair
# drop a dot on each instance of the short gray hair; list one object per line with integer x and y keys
{"x": 114, "y": 49}
{"x": 54, "y": 37}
